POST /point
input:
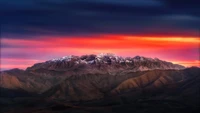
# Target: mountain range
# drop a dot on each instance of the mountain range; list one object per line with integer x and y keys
{"x": 101, "y": 83}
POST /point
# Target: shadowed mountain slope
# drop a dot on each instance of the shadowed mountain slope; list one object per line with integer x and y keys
{"x": 101, "y": 83}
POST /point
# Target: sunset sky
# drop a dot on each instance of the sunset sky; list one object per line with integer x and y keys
{"x": 34, "y": 31}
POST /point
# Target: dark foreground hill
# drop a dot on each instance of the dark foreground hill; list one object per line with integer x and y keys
{"x": 101, "y": 87}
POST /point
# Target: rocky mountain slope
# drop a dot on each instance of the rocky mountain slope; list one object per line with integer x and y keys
{"x": 42, "y": 76}
{"x": 102, "y": 63}
{"x": 90, "y": 87}
{"x": 101, "y": 80}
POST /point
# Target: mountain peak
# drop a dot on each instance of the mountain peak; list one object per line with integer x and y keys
{"x": 105, "y": 62}
{"x": 63, "y": 58}
{"x": 137, "y": 57}
{"x": 105, "y": 54}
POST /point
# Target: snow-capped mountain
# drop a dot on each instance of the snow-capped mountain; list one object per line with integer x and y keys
{"x": 104, "y": 80}
{"x": 104, "y": 62}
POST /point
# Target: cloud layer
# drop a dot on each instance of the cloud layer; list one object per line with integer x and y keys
{"x": 37, "y": 30}
{"x": 80, "y": 17}
{"x": 26, "y": 52}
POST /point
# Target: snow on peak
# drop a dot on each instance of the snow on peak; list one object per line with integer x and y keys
{"x": 103, "y": 56}
{"x": 106, "y": 54}
{"x": 141, "y": 58}
{"x": 67, "y": 58}
{"x": 112, "y": 59}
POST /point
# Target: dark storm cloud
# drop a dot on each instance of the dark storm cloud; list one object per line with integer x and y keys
{"x": 77, "y": 17}
{"x": 190, "y": 7}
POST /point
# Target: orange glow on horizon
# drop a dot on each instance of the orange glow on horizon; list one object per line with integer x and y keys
{"x": 175, "y": 49}
{"x": 188, "y": 63}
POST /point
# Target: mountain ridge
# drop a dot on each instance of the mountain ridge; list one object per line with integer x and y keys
{"x": 99, "y": 86}
{"x": 107, "y": 62}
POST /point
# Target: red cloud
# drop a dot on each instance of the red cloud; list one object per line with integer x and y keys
{"x": 166, "y": 48}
